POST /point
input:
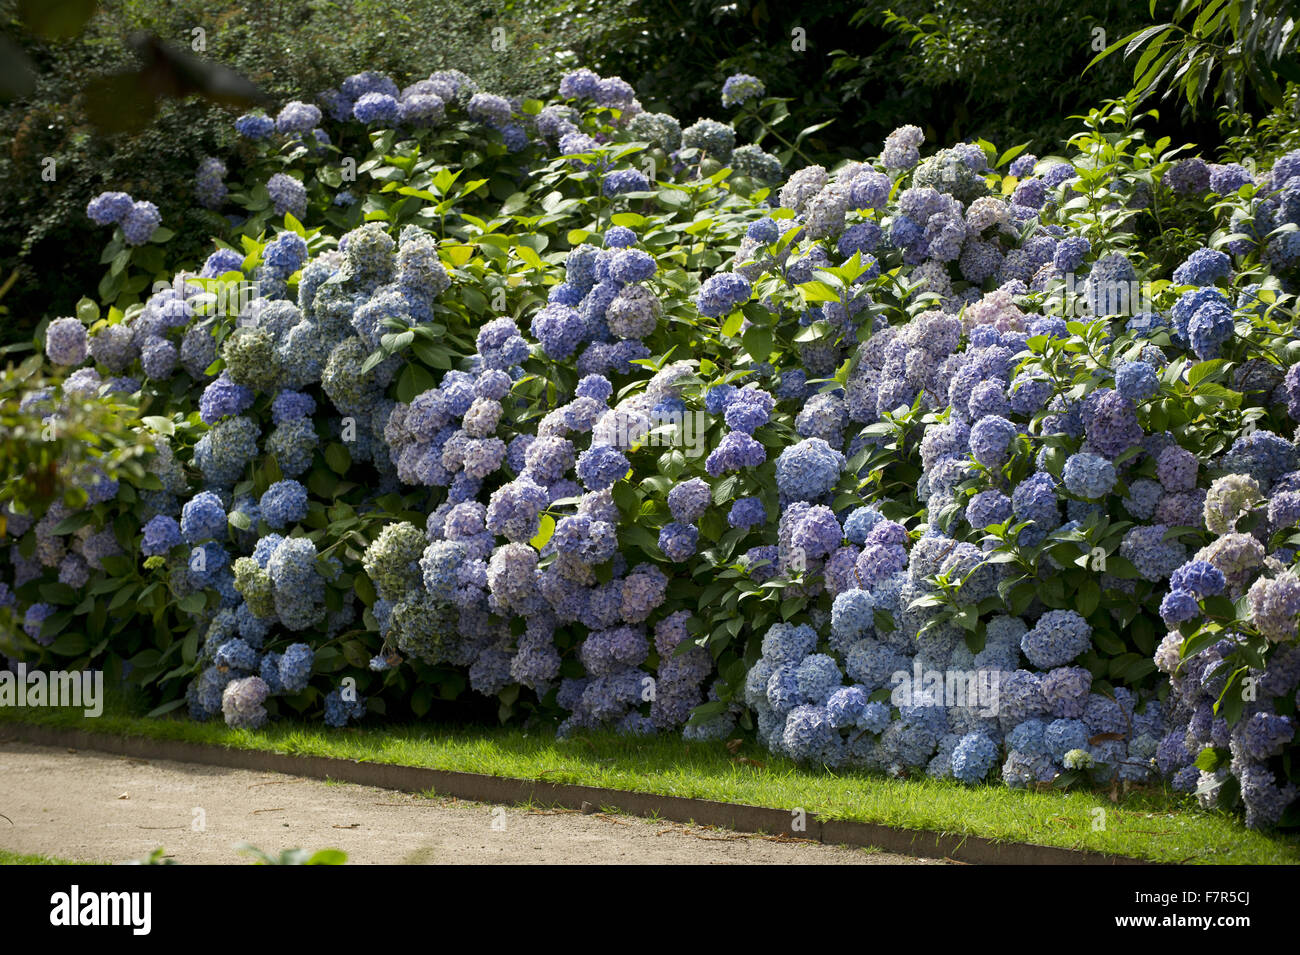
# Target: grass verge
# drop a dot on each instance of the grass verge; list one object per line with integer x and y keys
{"x": 17, "y": 858}
{"x": 1150, "y": 823}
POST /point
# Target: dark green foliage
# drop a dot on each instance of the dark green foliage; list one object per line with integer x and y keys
{"x": 290, "y": 49}
{"x": 1238, "y": 52}
{"x": 1007, "y": 71}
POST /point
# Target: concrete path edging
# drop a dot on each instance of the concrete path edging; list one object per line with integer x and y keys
{"x": 504, "y": 790}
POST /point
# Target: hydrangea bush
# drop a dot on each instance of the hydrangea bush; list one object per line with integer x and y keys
{"x": 936, "y": 463}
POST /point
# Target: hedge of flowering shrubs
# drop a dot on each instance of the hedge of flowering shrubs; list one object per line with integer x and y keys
{"x": 949, "y": 462}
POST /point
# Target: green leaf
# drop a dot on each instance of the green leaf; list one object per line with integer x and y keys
{"x": 413, "y": 381}
{"x": 122, "y": 596}
{"x": 165, "y": 709}
{"x": 732, "y": 325}
{"x": 1010, "y": 154}
{"x": 1087, "y": 597}
{"x": 1203, "y": 370}
{"x": 87, "y": 311}
{"x": 328, "y": 857}
{"x": 626, "y": 497}
{"x": 74, "y": 523}
{"x": 338, "y": 458}
{"x": 815, "y": 291}
{"x": 159, "y": 424}
{"x": 530, "y": 257}
{"x": 61, "y": 594}
{"x": 117, "y": 565}
{"x": 70, "y": 645}
{"x": 544, "y": 533}
{"x": 758, "y": 342}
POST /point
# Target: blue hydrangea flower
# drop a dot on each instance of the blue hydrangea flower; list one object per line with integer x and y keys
{"x": 1057, "y": 638}
{"x": 1179, "y": 606}
{"x": 852, "y": 616}
{"x": 139, "y": 225}
{"x": 161, "y": 534}
{"x": 295, "y": 667}
{"x": 689, "y": 500}
{"x": 619, "y": 181}
{"x": 973, "y": 757}
{"x": 678, "y": 541}
{"x": 284, "y": 503}
{"x": 990, "y": 440}
{"x": 1088, "y": 475}
{"x": 1200, "y": 577}
{"x": 288, "y": 195}
{"x": 1203, "y": 267}
{"x": 1071, "y": 252}
{"x": 1137, "y": 381}
{"x": 736, "y": 451}
{"x": 600, "y": 466}
{"x": 741, "y": 87}
{"x": 747, "y": 512}
{"x": 203, "y": 518}
{"x": 66, "y": 342}
{"x": 376, "y": 107}
{"x": 254, "y": 126}
{"x": 808, "y": 470}
{"x": 721, "y": 294}
{"x": 109, "y": 208}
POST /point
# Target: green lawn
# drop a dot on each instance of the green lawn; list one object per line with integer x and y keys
{"x": 1152, "y": 823}
{"x": 17, "y": 858}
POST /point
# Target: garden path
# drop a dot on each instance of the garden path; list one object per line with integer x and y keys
{"x": 92, "y": 806}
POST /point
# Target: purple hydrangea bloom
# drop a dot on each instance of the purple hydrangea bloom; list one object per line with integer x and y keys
{"x": 109, "y": 208}
{"x": 139, "y": 225}
{"x": 1137, "y": 380}
{"x": 689, "y": 500}
{"x": 721, "y": 294}
{"x": 808, "y": 470}
{"x": 284, "y": 503}
{"x": 66, "y": 342}
{"x": 624, "y": 180}
{"x": 678, "y": 541}
{"x": 600, "y": 466}
{"x": 377, "y": 108}
{"x": 1188, "y": 176}
{"x": 740, "y": 88}
{"x": 1179, "y": 606}
{"x": 736, "y": 451}
{"x": 288, "y": 194}
{"x": 990, "y": 440}
{"x": 254, "y": 126}
{"x": 747, "y": 512}
{"x": 203, "y": 518}
{"x": 1088, "y": 475}
{"x": 161, "y": 534}
{"x": 1203, "y": 267}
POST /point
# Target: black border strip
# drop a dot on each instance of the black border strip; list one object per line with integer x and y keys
{"x": 506, "y": 790}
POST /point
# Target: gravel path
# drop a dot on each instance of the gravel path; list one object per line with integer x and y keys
{"x": 97, "y": 807}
